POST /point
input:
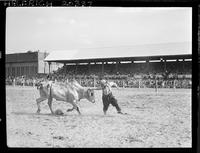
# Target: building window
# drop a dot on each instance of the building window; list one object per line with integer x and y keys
{"x": 22, "y": 70}
{"x": 32, "y": 70}
{"x": 8, "y": 71}
{"x": 27, "y": 70}
{"x": 18, "y": 71}
{"x": 36, "y": 71}
{"x": 13, "y": 71}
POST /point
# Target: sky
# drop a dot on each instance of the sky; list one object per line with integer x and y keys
{"x": 67, "y": 28}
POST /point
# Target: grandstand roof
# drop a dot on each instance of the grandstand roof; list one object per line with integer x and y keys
{"x": 121, "y": 52}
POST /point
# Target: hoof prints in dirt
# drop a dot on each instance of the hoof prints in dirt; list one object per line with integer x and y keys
{"x": 153, "y": 120}
{"x": 48, "y": 144}
{"x": 59, "y": 137}
{"x": 131, "y": 139}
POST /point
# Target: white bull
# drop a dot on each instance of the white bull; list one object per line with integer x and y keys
{"x": 70, "y": 92}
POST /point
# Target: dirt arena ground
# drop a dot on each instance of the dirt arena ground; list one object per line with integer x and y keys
{"x": 153, "y": 120}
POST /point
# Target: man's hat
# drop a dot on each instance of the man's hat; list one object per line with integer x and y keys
{"x": 103, "y": 82}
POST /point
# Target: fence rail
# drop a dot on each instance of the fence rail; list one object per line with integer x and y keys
{"x": 125, "y": 83}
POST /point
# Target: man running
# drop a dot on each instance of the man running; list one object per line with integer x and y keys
{"x": 107, "y": 97}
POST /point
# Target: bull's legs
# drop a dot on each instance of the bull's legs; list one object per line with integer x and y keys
{"x": 70, "y": 109}
{"x": 39, "y": 100}
{"x": 50, "y": 104}
{"x": 76, "y": 107}
{"x": 78, "y": 110}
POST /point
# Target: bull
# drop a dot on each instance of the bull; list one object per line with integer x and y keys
{"x": 70, "y": 92}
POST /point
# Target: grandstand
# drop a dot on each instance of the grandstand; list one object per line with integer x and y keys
{"x": 132, "y": 69}
{"x": 180, "y": 64}
{"x": 125, "y": 59}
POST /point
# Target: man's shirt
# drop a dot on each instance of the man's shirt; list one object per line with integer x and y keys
{"x": 106, "y": 89}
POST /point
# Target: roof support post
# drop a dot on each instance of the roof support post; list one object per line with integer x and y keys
{"x": 162, "y": 64}
{"x": 102, "y": 69}
{"x": 177, "y": 65}
{"x": 183, "y": 65}
{"x": 65, "y": 68}
{"x": 132, "y": 66}
{"x": 116, "y": 66}
{"x": 49, "y": 67}
{"x": 147, "y": 65}
{"x": 89, "y": 67}
{"x": 165, "y": 65}
{"x": 20, "y": 71}
{"x": 76, "y": 69}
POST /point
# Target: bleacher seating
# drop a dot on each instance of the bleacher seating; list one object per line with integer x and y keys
{"x": 126, "y": 75}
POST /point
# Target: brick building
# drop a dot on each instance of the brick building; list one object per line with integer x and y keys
{"x": 28, "y": 64}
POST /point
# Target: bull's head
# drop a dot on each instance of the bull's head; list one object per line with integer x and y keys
{"x": 90, "y": 95}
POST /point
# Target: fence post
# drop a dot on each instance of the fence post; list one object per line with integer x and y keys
{"x": 156, "y": 86}
{"x": 14, "y": 82}
{"x": 94, "y": 81}
{"x": 174, "y": 84}
{"x": 139, "y": 84}
{"x": 163, "y": 84}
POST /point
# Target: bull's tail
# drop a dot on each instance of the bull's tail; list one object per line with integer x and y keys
{"x": 50, "y": 91}
{"x": 50, "y": 88}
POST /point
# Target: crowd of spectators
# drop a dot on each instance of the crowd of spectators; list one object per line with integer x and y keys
{"x": 126, "y": 81}
{"x": 23, "y": 80}
{"x": 137, "y": 77}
